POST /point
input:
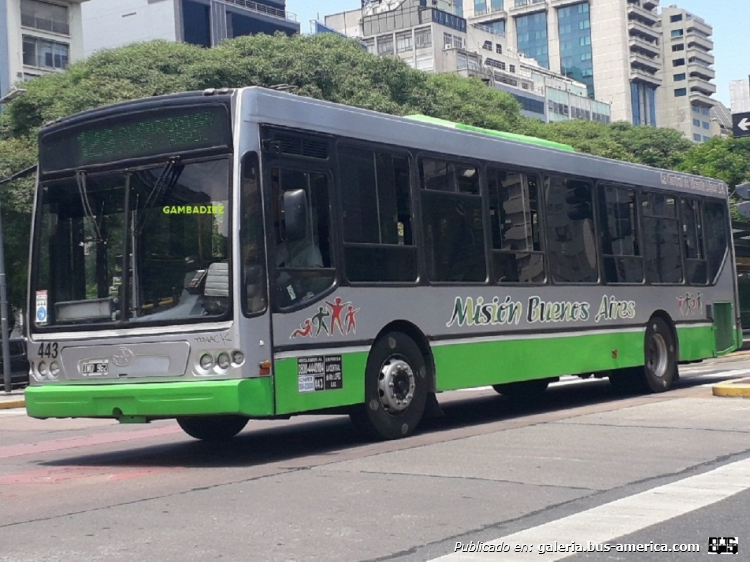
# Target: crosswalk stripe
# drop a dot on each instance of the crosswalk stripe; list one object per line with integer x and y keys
{"x": 602, "y": 524}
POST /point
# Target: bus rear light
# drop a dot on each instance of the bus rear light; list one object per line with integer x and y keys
{"x": 264, "y": 368}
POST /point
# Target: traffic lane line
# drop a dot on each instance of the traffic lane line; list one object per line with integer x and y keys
{"x": 622, "y": 517}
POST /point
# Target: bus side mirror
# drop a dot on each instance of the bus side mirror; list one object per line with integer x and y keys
{"x": 295, "y": 215}
{"x": 743, "y": 191}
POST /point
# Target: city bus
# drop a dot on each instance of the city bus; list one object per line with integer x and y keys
{"x": 235, "y": 254}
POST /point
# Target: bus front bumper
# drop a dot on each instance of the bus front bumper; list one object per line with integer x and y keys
{"x": 147, "y": 401}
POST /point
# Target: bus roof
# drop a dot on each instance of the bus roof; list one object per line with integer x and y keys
{"x": 492, "y": 132}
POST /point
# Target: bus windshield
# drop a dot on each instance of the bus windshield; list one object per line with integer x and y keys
{"x": 140, "y": 245}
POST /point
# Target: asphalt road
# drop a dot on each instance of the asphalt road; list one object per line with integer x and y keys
{"x": 581, "y": 465}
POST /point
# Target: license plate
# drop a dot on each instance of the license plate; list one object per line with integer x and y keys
{"x": 96, "y": 368}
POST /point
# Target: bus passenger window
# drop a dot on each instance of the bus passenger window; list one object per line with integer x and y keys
{"x": 514, "y": 217}
{"x": 696, "y": 271}
{"x": 377, "y": 216}
{"x": 661, "y": 239}
{"x": 304, "y": 266}
{"x": 621, "y": 248}
{"x": 571, "y": 243}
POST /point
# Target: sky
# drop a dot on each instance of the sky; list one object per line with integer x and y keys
{"x": 729, "y": 18}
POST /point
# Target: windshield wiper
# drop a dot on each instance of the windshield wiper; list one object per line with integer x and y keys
{"x": 88, "y": 212}
{"x": 166, "y": 181}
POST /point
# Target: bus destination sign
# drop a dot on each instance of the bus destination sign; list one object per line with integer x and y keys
{"x": 136, "y": 135}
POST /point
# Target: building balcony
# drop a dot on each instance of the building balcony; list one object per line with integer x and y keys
{"x": 636, "y": 27}
{"x": 700, "y": 98}
{"x": 699, "y": 27}
{"x": 701, "y": 72}
{"x": 639, "y": 75}
{"x": 701, "y": 86}
{"x": 262, "y": 9}
{"x": 700, "y": 42}
{"x": 700, "y": 56}
{"x": 637, "y": 13}
{"x": 640, "y": 45}
{"x": 648, "y": 64}
{"x": 650, "y": 4}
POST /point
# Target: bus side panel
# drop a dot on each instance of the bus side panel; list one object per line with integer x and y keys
{"x": 696, "y": 342}
{"x": 470, "y": 364}
{"x": 318, "y": 382}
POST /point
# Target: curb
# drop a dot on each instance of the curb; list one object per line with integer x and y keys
{"x": 733, "y": 389}
{"x": 7, "y": 405}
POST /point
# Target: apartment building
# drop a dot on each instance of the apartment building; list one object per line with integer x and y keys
{"x": 39, "y": 37}
{"x": 685, "y": 101}
{"x": 108, "y": 24}
{"x": 431, "y": 35}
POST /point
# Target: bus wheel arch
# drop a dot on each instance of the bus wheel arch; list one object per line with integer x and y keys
{"x": 397, "y": 382}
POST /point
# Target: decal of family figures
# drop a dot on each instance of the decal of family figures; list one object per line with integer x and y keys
{"x": 336, "y": 315}
{"x": 689, "y": 303}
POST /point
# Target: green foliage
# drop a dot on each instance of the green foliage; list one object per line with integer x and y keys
{"x": 325, "y": 67}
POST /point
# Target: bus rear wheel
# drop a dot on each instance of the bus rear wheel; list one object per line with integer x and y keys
{"x": 395, "y": 388}
{"x": 659, "y": 369}
{"x": 212, "y": 428}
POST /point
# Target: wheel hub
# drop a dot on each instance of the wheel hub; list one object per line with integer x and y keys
{"x": 396, "y": 384}
{"x": 658, "y": 356}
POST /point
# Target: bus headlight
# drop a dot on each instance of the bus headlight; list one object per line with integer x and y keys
{"x": 207, "y": 361}
{"x": 223, "y": 361}
{"x": 54, "y": 369}
{"x": 43, "y": 368}
{"x": 238, "y": 358}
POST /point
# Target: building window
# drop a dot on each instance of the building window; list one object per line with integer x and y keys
{"x": 696, "y": 122}
{"x": 696, "y": 137}
{"x": 678, "y": 47}
{"x": 705, "y": 124}
{"x": 696, "y": 109}
{"x": 423, "y": 38}
{"x": 495, "y": 63}
{"x": 680, "y": 92}
{"x": 43, "y": 53}
{"x": 513, "y": 68}
{"x": 487, "y": 45}
{"x": 677, "y": 33}
{"x": 678, "y": 62}
{"x": 498, "y": 48}
{"x": 676, "y": 17}
{"x": 679, "y": 77}
{"x": 385, "y": 45}
{"x": 403, "y": 42}
{"x": 45, "y": 16}
{"x": 704, "y": 110}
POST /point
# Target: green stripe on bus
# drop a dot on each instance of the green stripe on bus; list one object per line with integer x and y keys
{"x": 492, "y": 132}
{"x": 252, "y": 397}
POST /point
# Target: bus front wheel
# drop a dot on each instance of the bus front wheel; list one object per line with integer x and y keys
{"x": 395, "y": 388}
{"x": 212, "y": 428}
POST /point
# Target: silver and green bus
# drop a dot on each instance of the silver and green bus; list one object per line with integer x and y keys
{"x": 237, "y": 254}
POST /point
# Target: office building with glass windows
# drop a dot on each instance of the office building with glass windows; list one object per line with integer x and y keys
{"x": 432, "y": 35}
{"x": 612, "y": 46}
{"x": 39, "y": 37}
{"x": 109, "y": 23}
{"x": 685, "y": 101}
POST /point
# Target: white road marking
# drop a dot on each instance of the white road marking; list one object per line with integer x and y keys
{"x": 13, "y": 412}
{"x": 621, "y": 517}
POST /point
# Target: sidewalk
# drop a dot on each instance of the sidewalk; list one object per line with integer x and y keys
{"x": 13, "y": 400}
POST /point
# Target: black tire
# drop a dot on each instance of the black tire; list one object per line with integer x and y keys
{"x": 660, "y": 362}
{"x": 522, "y": 389}
{"x": 212, "y": 428}
{"x": 395, "y": 362}
{"x": 659, "y": 371}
